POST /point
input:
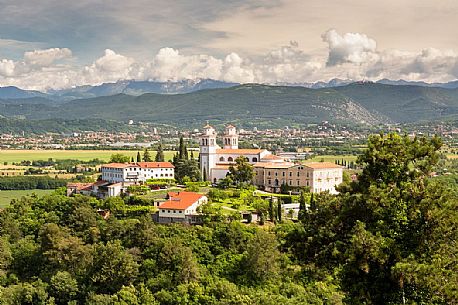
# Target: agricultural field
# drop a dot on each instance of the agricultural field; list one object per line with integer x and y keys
{"x": 7, "y": 196}
{"x": 332, "y": 158}
{"x": 11, "y": 156}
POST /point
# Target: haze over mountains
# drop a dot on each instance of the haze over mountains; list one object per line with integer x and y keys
{"x": 354, "y": 103}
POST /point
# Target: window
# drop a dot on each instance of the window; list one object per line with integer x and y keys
{"x": 163, "y": 211}
{"x": 268, "y": 173}
{"x": 174, "y": 212}
{"x": 283, "y": 174}
{"x": 168, "y": 211}
{"x": 221, "y": 159}
{"x": 181, "y": 212}
{"x": 255, "y": 159}
{"x": 230, "y": 159}
{"x": 290, "y": 174}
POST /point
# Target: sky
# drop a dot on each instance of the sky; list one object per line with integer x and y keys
{"x": 55, "y": 44}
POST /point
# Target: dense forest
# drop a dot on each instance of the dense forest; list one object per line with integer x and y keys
{"x": 388, "y": 238}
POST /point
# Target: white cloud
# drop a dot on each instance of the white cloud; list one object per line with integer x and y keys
{"x": 349, "y": 56}
{"x": 44, "y": 58}
{"x": 7, "y": 67}
{"x": 170, "y": 65}
{"x": 349, "y": 48}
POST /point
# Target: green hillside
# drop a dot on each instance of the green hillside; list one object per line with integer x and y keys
{"x": 355, "y": 103}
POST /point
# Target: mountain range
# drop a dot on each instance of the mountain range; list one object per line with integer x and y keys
{"x": 253, "y": 105}
{"x": 136, "y": 88}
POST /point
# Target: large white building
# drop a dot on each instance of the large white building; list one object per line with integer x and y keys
{"x": 137, "y": 171}
{"x": 271, "y": 171}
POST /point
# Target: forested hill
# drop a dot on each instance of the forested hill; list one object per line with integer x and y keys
{"x": 355, "y": 103}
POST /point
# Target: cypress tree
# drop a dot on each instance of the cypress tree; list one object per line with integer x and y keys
{"x": 181, "y": 149}
{"x": 146, "y": 156}
{"x": 204, "y": 174}
{"x": 159, "y": 154}
{"x": 279, "y": 211}
{"x": 139, "y": 157}
{"x": 271, "y": 210}
{"x": 132, "y": 160}
{"x": 185, "y": 152}
{"x": 302, "y": 207}
{"x": 312, "y": 202}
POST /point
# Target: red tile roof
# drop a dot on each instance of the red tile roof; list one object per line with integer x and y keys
{"x": 180, "y": 200}
{"x": 272, "y": 157}
{"x": 321, "y": 165}
{"x": 80, "y": 186}
{"x": 239, "y": 151}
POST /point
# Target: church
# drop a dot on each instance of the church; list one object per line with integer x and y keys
{"x": 271, "y": 171}
{"x": 215, "y": 161}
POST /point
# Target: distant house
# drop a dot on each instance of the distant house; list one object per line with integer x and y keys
{"x": 318, "y": 176}
{"x": 100, "y": 188}
{"x": 181, "y": 207}
{"x": 137, "y": 171}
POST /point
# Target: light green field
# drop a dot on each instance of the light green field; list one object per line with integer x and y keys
{"x": 83, "y": 155}
{"x": 7, "y": 196}
{"x": 333, "y": 158}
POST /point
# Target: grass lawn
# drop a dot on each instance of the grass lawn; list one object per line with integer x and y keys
{"x": 332, "y": 158}
{"x": 83, "y": 155}
{"x": 7, "y": 196}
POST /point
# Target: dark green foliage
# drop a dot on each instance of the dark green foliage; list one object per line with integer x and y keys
{"x": 30, "y": 183}
{"x": 139, "y": 157}
{"x": 186, "y": 169}
{"x": 119, "y": 158}
{"x": 242, "y": 172}
{"x": 159, "y": 154}
{"x": 146, "y": 156}
{"x": 58, "y": 250}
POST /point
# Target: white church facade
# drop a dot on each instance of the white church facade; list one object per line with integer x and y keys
{"x": 215, "y": 162}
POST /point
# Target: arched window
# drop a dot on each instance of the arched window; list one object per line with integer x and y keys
{"x": 247, "y": 160}
{"x": 255, "y": 159}
{"x": 221, "y": 159}
{"x": 230, "y": 159}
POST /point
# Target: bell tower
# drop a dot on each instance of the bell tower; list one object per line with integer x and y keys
{"x": 231, "y": 138}
{"x": 208, "y": 146}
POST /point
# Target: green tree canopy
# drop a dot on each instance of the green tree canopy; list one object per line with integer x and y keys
{"x": 119, "y": 158}
{"x": 159, "y": 154}
{"x": 242, "y": 171}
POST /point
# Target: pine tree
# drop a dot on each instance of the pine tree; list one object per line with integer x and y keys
{"x": 159, "y": 154}
{"x": 139, "y": 157}
{"x": 132, "y": 160}
{"x": 146, "y": 155}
